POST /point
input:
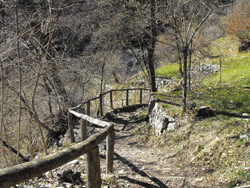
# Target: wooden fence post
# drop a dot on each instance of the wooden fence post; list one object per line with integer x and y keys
{"x": 141, "y": 96}
{"x": 85, "y": 124}
{"x": 88, "y": 108}
{"x": 70, "y": 124}
{"x": 101, "y": 105}
{"x": 84, "y": 127}
{"x": 93, "y": 169}
{"x": 127, "y": 96}
{"x": 111, "y": 100}
{"x": 110, "y": 151}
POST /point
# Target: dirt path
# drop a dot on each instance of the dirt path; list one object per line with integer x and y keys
{"x": 137, "y": 165}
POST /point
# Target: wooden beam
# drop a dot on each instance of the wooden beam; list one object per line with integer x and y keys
{"x": 93, "y": 169}
{"x": 132, "y": 89}
{"x": 84, "y": 128}
{"x": 19, "y": 173}
{"x": 90, "y": 119}
{"x": 127, "y": 97}
{"x": 71, "y": 130}
{"x": 88, "y": 108}
{"x": 140, "y": 96}
{"x": 101, "y": 105}
{"x": 110, "y": 151}
{"x": 111, "y": 100}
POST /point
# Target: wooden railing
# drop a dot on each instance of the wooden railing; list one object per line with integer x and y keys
{"x": 19, "y": 173}
{"x": 101, "y": 106}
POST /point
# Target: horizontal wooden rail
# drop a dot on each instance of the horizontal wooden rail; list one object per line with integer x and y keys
{"x": 107, "y": 92}
{"x": 90, "y": 119}
{"x": 16, "y": 174}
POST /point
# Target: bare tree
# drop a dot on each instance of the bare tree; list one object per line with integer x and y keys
{"x": 187, "y": 17}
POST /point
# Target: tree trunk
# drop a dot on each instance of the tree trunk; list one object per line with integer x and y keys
{"x": 151, "y": 49}
{"x": 179, "y": 56}
{"x": 189, "y": 70}
{"x": 184, "y": 89}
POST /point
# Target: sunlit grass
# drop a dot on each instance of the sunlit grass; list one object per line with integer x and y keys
{"x": 168, "y": 71}
{"x": 235, "y": 72}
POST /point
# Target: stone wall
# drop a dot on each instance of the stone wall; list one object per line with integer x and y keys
{"x": 158, "y": 118}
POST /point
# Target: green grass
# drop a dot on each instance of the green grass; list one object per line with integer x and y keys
{"x": 167, "y": 71}
{"x": 224, "y": 98}
{"x": 225, "y": 158}
{"x": 230, "y": 94}
{"x": 235, "y": 71}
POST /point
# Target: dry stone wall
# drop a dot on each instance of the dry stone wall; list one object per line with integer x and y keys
{"x": 158, "y": 118}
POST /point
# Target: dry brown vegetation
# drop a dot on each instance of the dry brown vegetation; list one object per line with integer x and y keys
{"x": 237, "y": 22}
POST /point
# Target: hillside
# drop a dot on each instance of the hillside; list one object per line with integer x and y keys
{"x": 210, "y": 151}
{"x": 165, "y": 83}
{"x": 218, "y": 146}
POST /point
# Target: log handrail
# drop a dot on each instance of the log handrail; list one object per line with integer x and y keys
{"x": 16, "y": 174}
{"x": 105, "y": 93}
{"x": 90, "y": 119}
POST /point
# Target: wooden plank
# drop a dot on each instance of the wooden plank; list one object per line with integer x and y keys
{"x": 90, "y": 119}
{"x": 93, "y": 169}
{"x": 127, "y": 97}
{"x": 111, "y": 100}
{"x": 110, "y": 151}
{"x": 71, "y": 130}
{"x": 19, "y": 173}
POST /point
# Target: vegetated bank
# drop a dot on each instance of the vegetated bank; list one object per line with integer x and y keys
{"x": 216, "y": 147}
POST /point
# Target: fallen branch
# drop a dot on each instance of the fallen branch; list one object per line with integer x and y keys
{"x": 24, "y": 159}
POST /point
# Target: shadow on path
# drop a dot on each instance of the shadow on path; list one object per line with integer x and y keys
{"x": 140, "y": 172}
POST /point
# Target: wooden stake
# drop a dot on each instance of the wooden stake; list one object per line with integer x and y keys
{"x": 111, "y": 100}
{"x": 140, "y": 96}
{"x": 93, "y": 169}
{"x": 70, "y": 124}
{"x": 127, "y": 96}
{"x": 101, "y": 105}
{"x": 110, "y": 151}
{"x": 84, "y": 128}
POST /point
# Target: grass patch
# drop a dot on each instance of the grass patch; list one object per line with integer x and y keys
{"x": 167, "y": 71}
{"x": 224, "y": 98}
{"x": 235, "y": 71}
